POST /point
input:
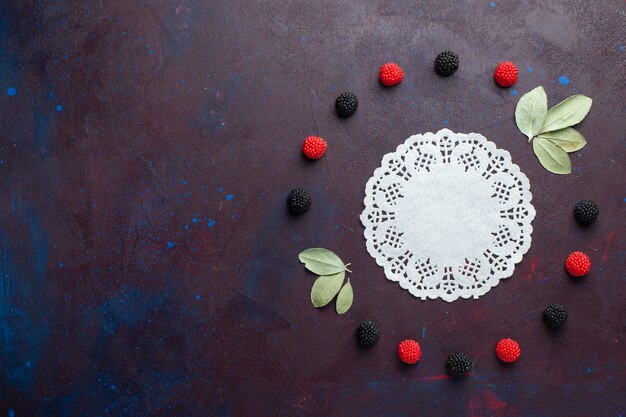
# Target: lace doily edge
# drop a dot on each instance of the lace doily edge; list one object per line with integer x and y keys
{"x": 516, "y": 258}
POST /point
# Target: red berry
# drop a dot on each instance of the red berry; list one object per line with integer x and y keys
{"x": 314, "y": 147}
{"x": 506, "y": 74}
{"x": 577, "y": 264}
{"x": 508, "y": 350}
{"x": 390, "y": 74}
{"x": 409, "y": 351}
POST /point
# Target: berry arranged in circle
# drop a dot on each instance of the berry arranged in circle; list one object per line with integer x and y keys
{"x": 508, "y": 350}
{"x": 367, "y": 333}
{"x": 586, "y": 211}
{"x": 446, "y": 63}
{"x": 555, "y": 315}
{"x": 390, "y": 74}
{"x": 409, "y": 352}
{"x": 298, "y": 201}
{"x": 505, "y": 74}
{"x": 346, "y": 104}
{"x": 458, "y": 363}
{"x": 578, "y": 264}
{"x": 314, "y": 147}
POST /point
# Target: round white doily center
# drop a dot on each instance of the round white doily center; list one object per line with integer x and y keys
{"x": 448, "y": 214}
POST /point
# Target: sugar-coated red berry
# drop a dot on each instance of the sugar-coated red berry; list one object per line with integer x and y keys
{"x": 505, "y": 74}
{"x": 314, "y": 147}
{"x": 390, "y": 74}
{"x": 508, "y": 350}
{"x": 409, "y": 352}
{"x": 577, "y": 264}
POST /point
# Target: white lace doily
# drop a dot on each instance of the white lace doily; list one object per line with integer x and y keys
{"x": 448, "y": 215}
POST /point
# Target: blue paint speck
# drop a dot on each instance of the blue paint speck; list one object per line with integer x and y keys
{"x": 60, "y": 264}
{"x": 11, "y": 413}
{"x": 564, "y": 80}
{"x": 492, "y": 4}
{"x": 150, "y": 52}
{"x": 589, "y": 370}
{"x": 211, "y": 223}
{"x": 186, "y": 226}
{"x": 221, "y": 189}
{"x": 229, "y": 197}
{"x": 621, "y": 48}
{"x": 624, "y": 199}
{"x": 374, "y": 385}
{"x": 445, "y": 122}
{"x": 11, "y": 91}
{"x": 514, "y": 92}
{"x": 530, "y": 69}
{"x": 59, "y": 107}
{"x": 198, "y": 297}
{"x": 423, "y": 332}
{"x": 113, "y": 387}
{"x": 194, "y": 220}
{"x": 170, "y": 245}
{"x": 336, "y": 227}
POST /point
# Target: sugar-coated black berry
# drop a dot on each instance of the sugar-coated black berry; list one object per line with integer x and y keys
{"x": 446, "y": 63}
{"x": 586, "y": 211}
{"x": 555, "y": 315}
{"x": 346, "y": 104}
{"x": 298, "y": 201}
{"x": 367, "y": 333}
{"x": 458, "y": 363}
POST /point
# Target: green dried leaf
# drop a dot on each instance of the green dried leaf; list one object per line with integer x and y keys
{"x": 344, "y": 299}
{"x": 568, "y": 139}
{"x": 531, "y": 111}
{"x": 552, "y": 157}
{"x": 325, "y": 288}
{"x": 567, "y": 113}
{"x": 321, "y": 261}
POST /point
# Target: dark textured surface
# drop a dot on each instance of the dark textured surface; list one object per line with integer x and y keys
{"x": 148, "y": 261}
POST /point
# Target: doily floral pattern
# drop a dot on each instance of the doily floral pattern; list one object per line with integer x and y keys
{"x": 448, "y": 215}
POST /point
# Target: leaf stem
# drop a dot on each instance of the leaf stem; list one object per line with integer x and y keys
{"x": 346, "y": 267}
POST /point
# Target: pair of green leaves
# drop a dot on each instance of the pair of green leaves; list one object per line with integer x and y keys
{"x": 332, "y": 272}
{"x": 550, "y": 130}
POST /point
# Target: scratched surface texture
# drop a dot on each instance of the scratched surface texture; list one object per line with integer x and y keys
{"x": 148, "y": 264}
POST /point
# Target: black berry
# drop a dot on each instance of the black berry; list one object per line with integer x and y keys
{"x": 298, "y": 201}
{"x": 346, "y": 104}
{"x": 446, "y": 63}
{"x": 586, "y": 211}
{"x": 555, "y": 315}
{"x": 458, "y": 363}
{"x": 367, "y": 333}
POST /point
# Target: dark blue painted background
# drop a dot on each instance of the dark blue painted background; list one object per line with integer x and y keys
{"x": 148, "y": 265}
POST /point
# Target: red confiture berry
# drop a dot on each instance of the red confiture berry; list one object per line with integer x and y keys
{"x": 505, "y": 74}
{"x": 314, "y": 147}
{"x": 578, "y": 264}
{"x": 508, "y": 350}
{"x": 409, "y": 352}
{"x": 390, "y": 74}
